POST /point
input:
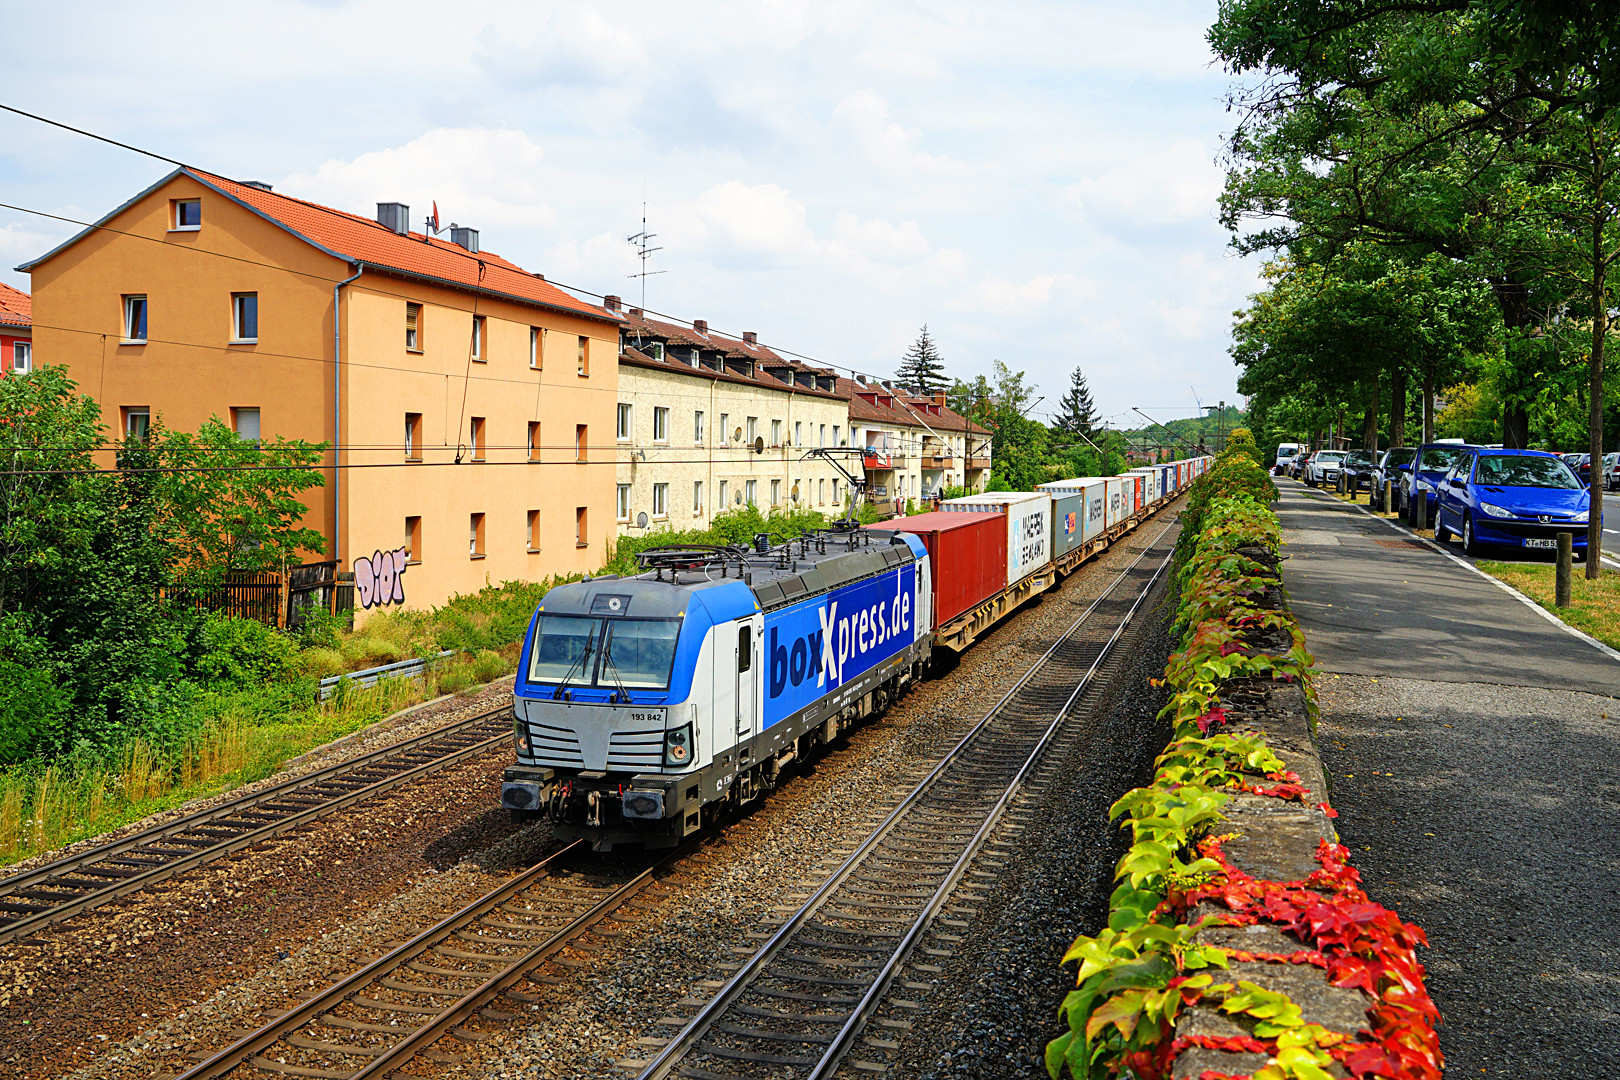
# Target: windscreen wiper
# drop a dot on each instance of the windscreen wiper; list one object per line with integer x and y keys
{"x": 584, "y": 655}
{"x": 612, "y": 668}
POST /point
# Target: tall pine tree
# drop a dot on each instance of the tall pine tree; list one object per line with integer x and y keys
{"x": 1077, "y": 413}
{"x": 922, "y": 371}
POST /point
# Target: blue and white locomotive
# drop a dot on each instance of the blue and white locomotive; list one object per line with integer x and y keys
{"x": 645, "y": 704}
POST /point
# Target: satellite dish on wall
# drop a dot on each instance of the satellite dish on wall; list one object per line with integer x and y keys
{"x": 737, "y": 498}
{"x": 759, "y": 444}
{"x": 795, "y": 492}
{"x": 641, "y": 520}
{"x": 736, "y": 436}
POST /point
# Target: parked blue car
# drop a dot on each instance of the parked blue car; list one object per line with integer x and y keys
{"x": 1518, "y": 498}
{"x": 1430, "y": 466}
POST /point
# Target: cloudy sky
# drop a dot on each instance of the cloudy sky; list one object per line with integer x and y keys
{"x": 1034, "y": 181}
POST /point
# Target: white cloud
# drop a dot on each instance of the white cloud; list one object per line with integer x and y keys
{"x": 578, "y": 46}
{"x": 887, "y": 145}
{"x": 478, "y": 177}
{"x": 1165, "y": 187}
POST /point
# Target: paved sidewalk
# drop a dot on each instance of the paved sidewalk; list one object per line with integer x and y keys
{"x": 1471, "y": 748}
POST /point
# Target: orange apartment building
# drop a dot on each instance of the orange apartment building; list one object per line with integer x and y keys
{"x": 465, "y": 397}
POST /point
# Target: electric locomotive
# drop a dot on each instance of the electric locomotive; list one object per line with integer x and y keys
{"x": 643, "y": 705}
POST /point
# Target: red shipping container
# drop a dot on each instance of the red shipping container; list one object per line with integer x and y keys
{"x": 967, "y": 556}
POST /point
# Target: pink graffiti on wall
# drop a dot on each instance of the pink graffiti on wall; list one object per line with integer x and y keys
{"x": 381, "y": 579}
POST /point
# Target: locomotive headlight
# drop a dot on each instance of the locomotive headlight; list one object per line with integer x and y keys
{"x": 520, "y": 735}
{"x": 678, "y": 745}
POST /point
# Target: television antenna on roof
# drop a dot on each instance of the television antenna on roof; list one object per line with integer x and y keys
{"x": 644, "y": 249}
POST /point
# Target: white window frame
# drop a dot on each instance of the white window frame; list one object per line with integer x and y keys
{"x": 798, "y": 433}
{"x": 22, "y": 357}
{"x": 478, "y": 329}
{"x": 237, "y": 415}
{"x": 660, "y": 431}
{"x": 750, "y": 489}
{"x": 821, "y": 436}
{"x": 836, "y": 429}
{"x": 660, "y": 507}
{"x": 776, "y": 493}
{"x": 752, "y": 429}
{"x": 413, "y": 335}
{"x": 534, "y": 347}
{"x": 697, "y": 426}
{"x": 129, "y": 318}
{"x": 237, "y": 300}
{"x": 622, "y": 506}
{"x": 724, "y": 484}
{"x": 625, "y": 422}
{"x": 725, "y": 429}
{"x": 130, "y": 413}
{"x": 776, "y": 433}
{"x": 697, "y": 497}
{"x": 175, "y": 225}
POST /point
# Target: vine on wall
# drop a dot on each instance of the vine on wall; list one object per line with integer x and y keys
{"x": 1139, "y": 973}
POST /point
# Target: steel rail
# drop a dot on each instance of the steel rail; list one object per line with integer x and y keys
{"x": 436, "y": 1026}
{"x": 129, "y": 878}
{"x": 687, "y": 1038}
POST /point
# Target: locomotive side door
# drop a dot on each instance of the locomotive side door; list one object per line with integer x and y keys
{"x": 747, "y": 670}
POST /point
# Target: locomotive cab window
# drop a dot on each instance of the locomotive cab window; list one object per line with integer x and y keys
{"x": 577, "y": 650}
{"x": 745, "y": 648}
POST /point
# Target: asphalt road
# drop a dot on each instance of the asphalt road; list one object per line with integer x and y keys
{"x": 1470, "y": 746}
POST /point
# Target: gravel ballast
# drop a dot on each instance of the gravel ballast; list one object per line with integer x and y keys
{"x": 1489, "y": 816}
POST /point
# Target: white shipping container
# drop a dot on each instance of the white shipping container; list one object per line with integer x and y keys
{"x": 1150, "y": 484}
{"x": 1116, "y": 511}
{"x": 1029, "y": 526}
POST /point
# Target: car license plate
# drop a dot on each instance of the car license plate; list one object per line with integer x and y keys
{"x": 1541, "y": 543}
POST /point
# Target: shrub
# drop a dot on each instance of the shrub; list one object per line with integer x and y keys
{"x": 242, "y": 653}
{"x": 31, "y": 706}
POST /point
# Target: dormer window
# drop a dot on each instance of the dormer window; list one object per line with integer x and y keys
{"x": 187, "y": 215}
{"x": 655, "y": 350}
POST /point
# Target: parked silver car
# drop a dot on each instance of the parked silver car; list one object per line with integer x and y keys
{"x": 1324, "y": 468}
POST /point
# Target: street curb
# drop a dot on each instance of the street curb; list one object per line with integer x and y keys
{"x": 1527, "y": 601}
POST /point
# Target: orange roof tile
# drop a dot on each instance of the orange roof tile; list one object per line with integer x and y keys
{"x": 16, "y": 307}
{"x": 360, "y": 239}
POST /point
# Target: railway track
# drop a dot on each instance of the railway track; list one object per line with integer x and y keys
{"x": 66, "y": 887}
{"x": 391, "y": 1012}
{"x": 798, "y": 1006}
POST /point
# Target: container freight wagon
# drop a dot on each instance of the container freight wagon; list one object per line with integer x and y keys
{"x": 1079, "y": 513}
{"x": 967, "y": 568}
{"x": 1115, "y": 503}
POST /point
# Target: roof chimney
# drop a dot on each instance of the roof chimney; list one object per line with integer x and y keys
{"x": 466, "y": 238}
{"x": 750, "y": 337}
{"x": 611, "y": 303}
{"x": 700, "y": 326}
{"x": 260, "y": 184}
{"x": 395, "y": 217}
{"x": 635, "y": 311}
{"x": 939, "y": 398}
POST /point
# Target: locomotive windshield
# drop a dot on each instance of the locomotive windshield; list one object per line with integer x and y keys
{"x": 633, "y": 654}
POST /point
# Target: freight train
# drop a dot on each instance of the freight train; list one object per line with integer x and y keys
{"x": 646, "y": 704}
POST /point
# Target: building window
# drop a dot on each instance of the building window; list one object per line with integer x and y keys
{"x": 798, "y": 437}
{"x": 835, "y": 494}
{"x": 821, "y": 492}
{"x": 475, "y": 438}
{"x": 137, "y": 423}
{"x": 749, "y": 488}
{"x": 534, "y": 530}
{"x": 697, "y": 427}
{"x": 622, "y": 431}
{"x": 797, "y": 491}
{"x": 534, "y": 440}
{"x": 413, "y": 327}
{"x": 187, "y": 215}
{"x": 622, "y": 507}
{"x": 776, "y": 492}
{"x": 246, "y": 423}
{"x": 475, "y": 536}
{"x": 245, "y": 316}
{"x": 821, "y": 436}
{"x": 697, "y": 496}
{"x": 660, "y": 500}
{"x": 776, "y": 433}
{"x": 753, "y": 429}
{"x": 584, "y": 355}
{"x": 580, "y": 443}
{"x": 581, "y": 536}
{"x": 534, "y": 347}
{"x": 22, "y": 358}
{"x": 413, "y": 540}
{"x": 660, "y": 424}
{"x": 725, "y": 428}
{"x": 723, "y": 485}
{"x": 835, "y": 436}
{"x": 653, "y": 350}
{"x": 478, "y": 339}
{"x": 134, "y": 320}
{"x": 413, "y": 436}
